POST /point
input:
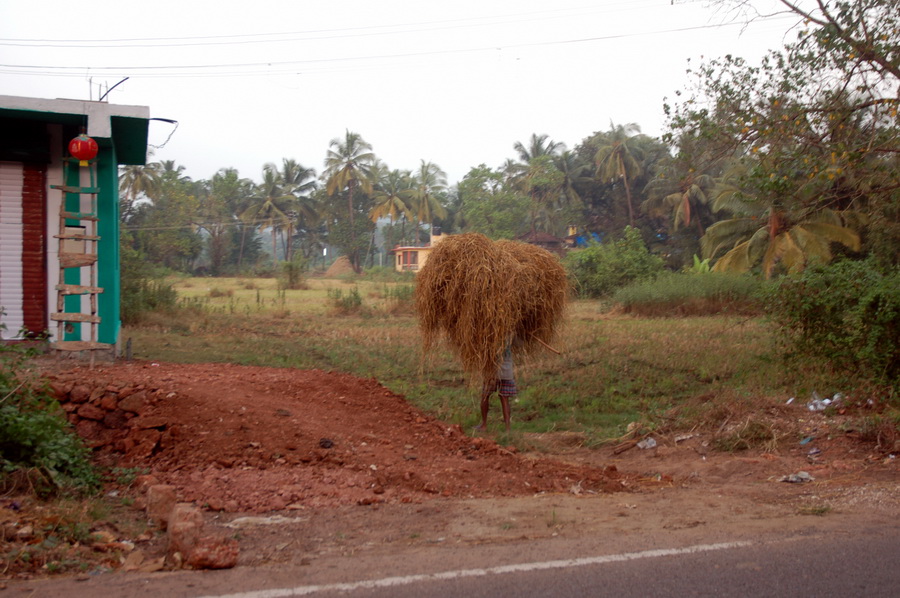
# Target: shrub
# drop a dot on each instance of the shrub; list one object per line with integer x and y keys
{"x": 601, "y": 268}
{"x": 292, "y": 274}
{"x": 143, "y": 288}
{"x": 847, "y": 312}
{"x": 351, "y": 303}
{"x": 681, "y": 294}
{"x": 37, "y": 444}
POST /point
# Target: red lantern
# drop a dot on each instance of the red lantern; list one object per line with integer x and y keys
{"x": 83, "y": 149}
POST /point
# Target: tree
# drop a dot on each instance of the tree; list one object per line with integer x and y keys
{"x": 814, "y": 125}
{"x": 298, "y": 182}
{"x": 135, "y": 181}
{"x": 490, "y": 206}
{"x": 392, "y": 197}
{"x": 348, "y": 165}
{"x": 619, "y": 160}
{"x": 428, "y": 182}
{"x": 770, "y": 234}
{"x": 219, "y": 205}
{"x": 270, "y": 206}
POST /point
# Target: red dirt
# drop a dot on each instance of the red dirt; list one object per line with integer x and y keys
{"x": 251, "y": 439}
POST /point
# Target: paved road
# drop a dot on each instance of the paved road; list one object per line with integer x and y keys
{"x": 817, "y": 566}
{"x": 843, "y": 563}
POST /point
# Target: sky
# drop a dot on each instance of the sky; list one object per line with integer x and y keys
{"x": 456, "y": 83}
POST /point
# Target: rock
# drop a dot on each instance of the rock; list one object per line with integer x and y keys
{"x": 109, "y": 401}
{"x": 89, "y": 429}
{"x": 213, "y": 553}
{"x": 96, "y": 395}
{"x": 79, "y": 393}
{"x": 134, "y": 403}
{"x": 89, "y": 411}
{"x": 185, "y": 528}
{"x": 145, "y": 423}
{"x": 61, "y": 389}
{"x": 115, "y": 419}
{"x": 160, "y": 503}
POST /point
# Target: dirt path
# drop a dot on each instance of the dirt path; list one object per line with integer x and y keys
{"x": 310, "y": 468}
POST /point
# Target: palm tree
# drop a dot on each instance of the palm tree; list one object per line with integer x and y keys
{"x": 348, "y": 165}
{"x": 394, "y": 191}
{"x": 619, "y": 160}
{"x": 681, "y": 200}
{"x": 538, "y": 146}
{"x": 770, "y": 233}
{"x": 428, "y": 180}
{"x": 134, "y": 181}
{"x": 298, "y": 182}
{"x": 270, "y": 207}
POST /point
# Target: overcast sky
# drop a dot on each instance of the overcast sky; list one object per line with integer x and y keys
{"x": 456, "y": 83}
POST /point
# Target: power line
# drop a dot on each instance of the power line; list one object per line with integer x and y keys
{"x": 185, "y": 70}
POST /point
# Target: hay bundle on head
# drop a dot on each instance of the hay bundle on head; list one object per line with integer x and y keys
{"x": 481, "y": 294}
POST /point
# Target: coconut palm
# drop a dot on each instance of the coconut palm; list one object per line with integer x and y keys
{"x": 348, "y": 165}
{"x": 428, "y": 181}
{"x": 619, "y": 160}
{"x": 299, "y": 182}
{"x": 136, "y": 181}
{"x": 538, "y": 146}
{"x": 770, "y": 234}
{"x": 271, "y": 206}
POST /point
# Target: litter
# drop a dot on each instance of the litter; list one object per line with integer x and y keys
{"x": 797, "y": 478}
{"x": 817, "y": 403}
{"x": 647, "y": 443}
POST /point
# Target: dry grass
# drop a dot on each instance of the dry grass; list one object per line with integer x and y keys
{"x": 481, "y": 295}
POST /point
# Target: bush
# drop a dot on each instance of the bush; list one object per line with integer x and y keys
{"x": 682, "y": 294}
{"x": 349, "y": 304}
{"x": 846, "y": 312}
{"x": 601, "y": 268}
{"x": 36, "y": 441}
{"x": 144, "y": 287}
{"x": 292, "y": 274}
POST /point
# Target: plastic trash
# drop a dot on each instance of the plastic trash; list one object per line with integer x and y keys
{"x": 817, "y": 403}
{"x": 800, "y": 477}
{"x": 647, "y": 443}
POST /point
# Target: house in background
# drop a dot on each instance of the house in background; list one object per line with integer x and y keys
{"x": 59, "y": 220}
{"x": 411, "y": 258}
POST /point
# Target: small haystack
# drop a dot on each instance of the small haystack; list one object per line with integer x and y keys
{"x": 480, "y": 294}
{"x": 340, "y": 267}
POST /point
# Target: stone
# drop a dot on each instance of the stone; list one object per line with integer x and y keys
{"x": 185, "y": 528}
{"x": 160, "y": 503}
{"x": 212, "y": 552}
{"x": 89, "y": 429}
{"x": 115, "y": 419}
{"x": 88, "y": 411}
{"x": 134, "y": 403}
{"x": 79, "y": 393}
{"x": 144, "y": 423}
{"x": 109, "y": 401}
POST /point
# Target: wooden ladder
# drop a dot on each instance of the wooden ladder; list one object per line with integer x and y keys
{"x": 78, "y": 249}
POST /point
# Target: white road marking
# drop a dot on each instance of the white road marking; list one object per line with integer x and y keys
{"x": 388, "y": 582}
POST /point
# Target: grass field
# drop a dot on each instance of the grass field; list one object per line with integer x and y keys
{"x": 664, "y": 373}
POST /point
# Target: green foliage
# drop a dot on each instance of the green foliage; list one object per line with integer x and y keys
{"x": 293, "y": 273}
{"x": 601, "y": 268}
{"x": 34, "y": 434}
{"x": 678, "y": 293}
{"x": 847, "y": 313}
{"x": 490, "y": 206}
{"x": 144, "y": 288}
{"x": 346, "y": 304}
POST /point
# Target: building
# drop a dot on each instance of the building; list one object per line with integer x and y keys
{"x": 59, "y": 220}
{"x": 412, "y": 258}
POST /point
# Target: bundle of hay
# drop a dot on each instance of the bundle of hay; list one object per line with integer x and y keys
{"x": 481, "y": 294}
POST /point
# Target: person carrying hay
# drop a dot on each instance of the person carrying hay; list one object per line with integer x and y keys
{"x": 504, "y": 385}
